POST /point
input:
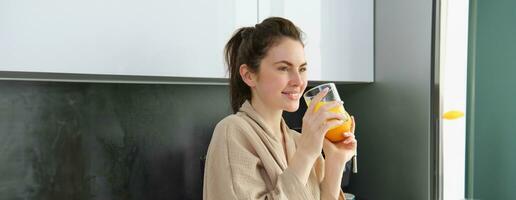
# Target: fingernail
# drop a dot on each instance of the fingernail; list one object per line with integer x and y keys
{"x": 326, "y": 89}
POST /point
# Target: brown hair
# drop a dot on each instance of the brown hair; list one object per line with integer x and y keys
{"x": 249, "y": 45}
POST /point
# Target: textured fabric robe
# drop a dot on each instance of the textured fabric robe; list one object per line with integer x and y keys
{"x": 246, "y": 160}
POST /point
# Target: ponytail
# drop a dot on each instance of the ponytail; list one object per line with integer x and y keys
{"x": 239, "y": 91}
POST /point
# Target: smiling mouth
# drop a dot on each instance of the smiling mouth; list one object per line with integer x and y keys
{"x": 292, "y": 95}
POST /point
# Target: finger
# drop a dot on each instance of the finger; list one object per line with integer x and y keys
{"x": 324, "y": 114}
{"x": 330, "y": 105}
{"x": 353, "y": 124}
{"x": 327, "y": 142}
{"x": 330, "y": 124}
{"x": 330, "y": 116}
{"x": 317, "y": 99}
{"x": 327, "y": 145}
{"x": 350, "y": 140}
{"x": 323, "y": 128}
{"x": 348, "y": 134}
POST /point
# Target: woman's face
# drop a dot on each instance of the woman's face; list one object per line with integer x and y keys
{"x": 281, "y": 78}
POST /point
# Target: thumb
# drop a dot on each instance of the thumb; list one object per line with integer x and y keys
{"x": 327, "y": 143}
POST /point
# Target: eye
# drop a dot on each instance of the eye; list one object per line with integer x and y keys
{"x": 302, "y": 69}
{"x": 283, "y": 68}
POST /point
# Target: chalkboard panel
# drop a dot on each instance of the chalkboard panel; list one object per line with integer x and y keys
{"x": 105, "y": 141}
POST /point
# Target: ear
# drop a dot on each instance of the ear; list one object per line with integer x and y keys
{"x": 247, "y": 76}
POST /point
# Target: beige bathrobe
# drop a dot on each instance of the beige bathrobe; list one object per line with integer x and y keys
{"x": 245, "y": 160}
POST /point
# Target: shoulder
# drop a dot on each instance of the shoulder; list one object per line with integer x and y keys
{"x": 230, "y": 123}
{"x": 232, "y": 137}
{"x": 230, "y": 128}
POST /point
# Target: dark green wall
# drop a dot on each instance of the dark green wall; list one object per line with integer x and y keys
{"x": 62, "y": 141}
{"x": 491, "y": 136}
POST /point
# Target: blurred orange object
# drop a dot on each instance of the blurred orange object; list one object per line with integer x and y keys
{"x": 453, "y": 114}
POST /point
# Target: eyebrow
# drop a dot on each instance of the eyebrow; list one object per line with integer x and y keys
{"x": 289, "y": 63}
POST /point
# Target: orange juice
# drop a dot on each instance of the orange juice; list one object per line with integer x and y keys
{"x": 335, "y": 134}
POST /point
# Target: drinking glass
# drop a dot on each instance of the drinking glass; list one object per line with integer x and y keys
{"x": 335, "y": 134}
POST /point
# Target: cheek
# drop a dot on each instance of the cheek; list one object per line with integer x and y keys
{"x": 304, "y": 83}
{"x": 275, "y": 87}
{"x": 275, "y": 83}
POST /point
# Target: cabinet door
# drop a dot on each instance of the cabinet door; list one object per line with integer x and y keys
{"x": 339, "y": 36}
{"x": 136, "y": 37}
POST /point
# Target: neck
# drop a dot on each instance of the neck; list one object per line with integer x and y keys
{"x": 271, "y": 117}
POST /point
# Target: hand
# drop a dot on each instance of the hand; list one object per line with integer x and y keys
{"x": 316, "y": 124}
{"x": 342, "y": 152}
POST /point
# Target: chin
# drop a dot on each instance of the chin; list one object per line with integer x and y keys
{"x": 292, "y": 107}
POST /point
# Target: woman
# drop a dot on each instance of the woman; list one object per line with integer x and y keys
{"x": 252, "y": 153}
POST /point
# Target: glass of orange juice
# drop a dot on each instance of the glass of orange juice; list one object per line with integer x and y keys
{"x": 335, "y": 134}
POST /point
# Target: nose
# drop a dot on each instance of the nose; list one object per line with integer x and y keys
{"x": 296, "y": 78}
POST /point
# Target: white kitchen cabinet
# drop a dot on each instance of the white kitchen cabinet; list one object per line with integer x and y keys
{"x": 169, "y": 38}
{"x": 339, "y": 36}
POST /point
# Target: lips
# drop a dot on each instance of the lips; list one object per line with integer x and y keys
{"x": 292, "y": 95}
